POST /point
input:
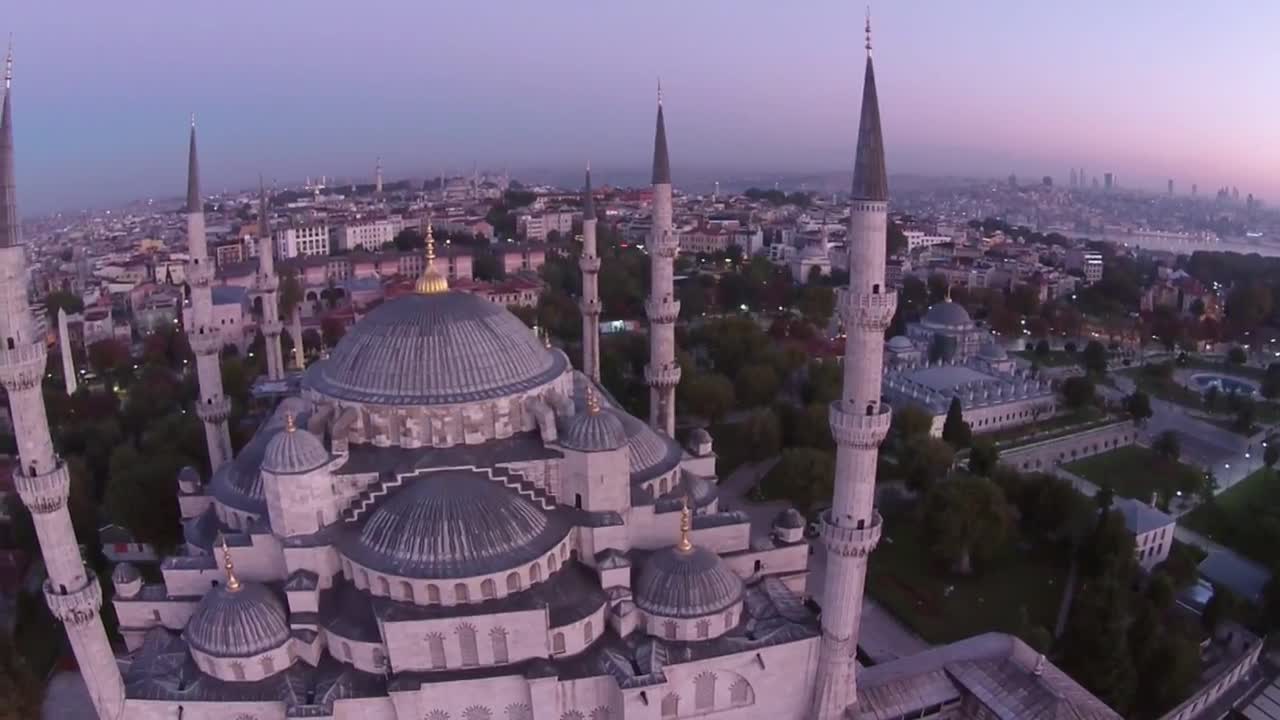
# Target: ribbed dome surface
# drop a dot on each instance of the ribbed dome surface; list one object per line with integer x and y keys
{"x": 238, "y": 623}
{"x": 948, "y": 314}
{"x": 689, "y": 584}
{"x": 454, "y": 524}
{"x": 294, "y": 451}
{"x": 650, "y": 454}
{"x": 899, "y": 343}
{"x": 238, "y": 484}
{"x": 594, "y": 432}
{"x": 435, "y": 349}
{"x": 125, "y": 572}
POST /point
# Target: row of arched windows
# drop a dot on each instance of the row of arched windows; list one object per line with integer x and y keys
{"x": 460, "y": 592}
{"x": 468, "y": 650}
{"x": 557, "y": 639}
{"x": 704, "y": 695}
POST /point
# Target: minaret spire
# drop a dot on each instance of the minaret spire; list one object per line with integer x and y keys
{"x": 663, "y": 372}
{"x": 10, "y": 231}
{"x": 868, "y": 31}
{"x": 268, "y": 285}
{"x": 194, "y": 203}
{"x": 589, "y": 263}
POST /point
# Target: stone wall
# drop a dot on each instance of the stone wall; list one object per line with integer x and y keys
{"x": 1045, "y": 455}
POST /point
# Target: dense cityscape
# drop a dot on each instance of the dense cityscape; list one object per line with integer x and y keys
{"x": 471, "y": 446}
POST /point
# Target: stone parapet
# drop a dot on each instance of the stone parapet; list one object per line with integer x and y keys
{"x": 268, "y": 283}
{"x": 208, "y": 342}
{"x": 851, "y": 541}
{"x": 591, "y": 306}
{"x": 199, "y": 275}
{"x": 853, "y": 427}
{"x": 272, "y": 328}
{"x": 43, "y": 493}
{"x": 22, "y": 368}
{"x": 214, "y": 411}
{"x": 589, "y": 263}
{"x": 75, "y": 607}
{"x": 871, "y": 311}
{"x": 662, "y": 376}
{"x": 662, "y": 311}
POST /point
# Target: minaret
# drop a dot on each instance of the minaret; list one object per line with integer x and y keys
{"x": 859, "y": 421}
{"x": 662, "y": 373}
{"x": 41, "y": 478}
{"x": 205, "y": 340}
{"x": 377, "y": 177}
{"x": 590, "y": 265}
{"x": 269, "y": 285}
{"x": 64, "y": 345}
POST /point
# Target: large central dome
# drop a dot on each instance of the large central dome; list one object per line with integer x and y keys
{"x": 437, "y": 349}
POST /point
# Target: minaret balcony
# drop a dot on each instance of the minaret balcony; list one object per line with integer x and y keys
{"x": 664, "y": 245}
{"x": 666, "y": 375}
{"x": 589, "y": 263}
{"x": 856, "y": 427}
{"x": 75, "y": 607}
{"x": 851, "y": 541}
{"x": 205, "y": 342}
{"x": 199, "y": 275}
{"x": 22, "y": 368}
{"x": 272, "y": 328}
{"x": 268, "y": 282}
{"x": 869, "y": 311}
{"x": 591, "y": 306}
{"x": 214, "y": 412}
{"x": 664, "y": 310}
{"x": 43, "y": 493}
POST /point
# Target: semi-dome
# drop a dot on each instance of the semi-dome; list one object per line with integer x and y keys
{"x": 238, "y": 622}
{"x": 900, "y": 343}
{"x": 679, "y": 583}
{"x": 948, "y": 314}
{"x": 294, "y": 451}
{"x": 454, "y": 524}
{"x": 238, "y": 484}
{"x": 649, "y": 453}
{"x": 594, "y": 431}
{"x": 441, "y": 348}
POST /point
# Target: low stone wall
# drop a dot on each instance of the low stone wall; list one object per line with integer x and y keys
{"x": 1045, "y": 455}
{"x": 1195, "y": 706}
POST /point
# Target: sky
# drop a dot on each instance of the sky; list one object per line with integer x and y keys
{"x": 1148, "y": 90}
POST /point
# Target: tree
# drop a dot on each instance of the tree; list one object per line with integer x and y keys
{"x": 926, "y": 463}
{"x": 756, "y": 385}
{"x": 1094, "y": 358}
{"x": 1223, "y": 605}
{"x": 802, "y": 475}
{"x": 21, "y": 690}
{"x": 108, "y": 355}
{"x": 1138, "y": 405}
{"x": 983, "y": 456}
{"x": 1271, "y": 382}
{"x": 954, "y": 429}
{"x": 62, "y": 300}
{"x": 141, "y": 496}
{"x": 763, "y": 434}
{"x": 1077, "y": 392}
{"x": 1245, "y": 417}
{"x": 1237, "y": 356}
{"x": 1168, "y": 673}
{"x": 708, "y": 395}
{"x": 816, "y": 303}
{"x": 331, "y": 330}
{"x": 1168, "y": 445}
{"x": 1271, "y": 454}
{"x": 1042, "y": 348}
{"x": 910, "y": 424}
{"x": 966, "y": 519}
{"x": 1095, "y": 645}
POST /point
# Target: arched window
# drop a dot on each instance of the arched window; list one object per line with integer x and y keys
{"x": 740, "y": 692}
{"x": 237, "y": 670}
{"x": 406, "y": 590}
{"x": 564, "y": 552}
{"x": 433, "y": 595}
{"x": 268, "y": 665}
{"x": 587, "y": 633}
{"x": 435, "y": 647}
{"x": 488, "y": 589}
{"x": 552, "y": 563}
{"x": 384, "y": 586}
{"x": 346, "y": 650}
{"x": 513, "y": 582}
{"x": 379, "y": 659}
{"x": 704, "y": 629}
{"x": 364, "y": 580}
{"x": 704, "y": 691}
{"x": 670, "y": 705}
{"x": 319, "y": 518}
{"x": 557, "y": 643}
{"x": 498, "y": 636}
{"x": 535, "y": 573}
{"x": 467, "y": 645}
{"x": 728, "y": 619}
{"x": 460, "y": 593}
{"x": 669, "y": 629}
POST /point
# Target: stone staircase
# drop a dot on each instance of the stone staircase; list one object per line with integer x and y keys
{"x": 511, "y": 479}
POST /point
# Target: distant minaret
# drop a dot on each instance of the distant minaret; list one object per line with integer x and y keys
{"x": 662, "y": 373}
{"x": 590, "y": 265}
{"x": 859, "y": 421}
{"x": 377, "y": 177}
{"x": 203, "y": 335}
{"x": 269, "y": 286}
{"x": 41, "y": 478}
{"x": 64, "y": 345}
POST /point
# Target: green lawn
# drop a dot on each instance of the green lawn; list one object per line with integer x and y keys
{"x": 1134, "y": 472}
{"x": 1066, "y": 423}
{"x": 902, "y": 576}
{"x": 1238, "y": 515}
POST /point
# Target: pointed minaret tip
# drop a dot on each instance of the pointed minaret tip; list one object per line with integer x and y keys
{"x": 661, "y": 160}
{"x": 194, "y": 203}
{"x": 8, "y": 65}
{"x": 868, "y": 31}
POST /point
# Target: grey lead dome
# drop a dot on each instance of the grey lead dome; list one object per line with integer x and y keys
{"x": 294, "y": 451}
{"x": 237, "y": 623}
{"x": 594, "y": 432}
{"x": 678, "y": 584}
{"x": 437, "y": 349}
{"x": 948, "y": 314}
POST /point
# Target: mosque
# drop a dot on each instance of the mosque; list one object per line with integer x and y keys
{"x": 449, "y": 522}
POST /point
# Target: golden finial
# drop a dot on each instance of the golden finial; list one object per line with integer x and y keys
{"x": 8, "y": 64}
{"x": 659, "y": 91}
{"x": 431, "y": 282}
{"x": 233, "y": 584}
{"x": 593, "y": 400}
{"x": 546, "y": 338}
{"x": 193, "y": 120}
{"x": 288, "y": 423}
{"x": 686, "y": 524}
{"x": 868, "y": 31}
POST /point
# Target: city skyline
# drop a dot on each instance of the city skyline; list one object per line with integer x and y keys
{"x": 980, "y": 91}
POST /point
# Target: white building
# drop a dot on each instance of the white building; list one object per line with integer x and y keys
{"x": 367, "y": 234}
{"x": 298, "y": 240}
{"x": 920, "y": 239}
{"x": 536, "y": 227}
{"x": 1152, "y": 530}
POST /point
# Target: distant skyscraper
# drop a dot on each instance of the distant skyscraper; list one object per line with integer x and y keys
{"x": 1013, "y": 180}
{"x": 1194, "y": 189}
{"x": 1072, "y": 181}
{"x": 1170, "y": 186}
{"x": 1107, "y": 181}
{"x": 1047, "y": 181}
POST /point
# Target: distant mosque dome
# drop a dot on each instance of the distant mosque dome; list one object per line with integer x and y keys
{"x": 948, "y": 314}
{"x": 900, "y": 343}
{"x": 992, "y": 351}
{"x": 691, "y": 583}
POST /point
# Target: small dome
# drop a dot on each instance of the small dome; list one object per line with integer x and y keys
{"x": 690, "y": 583}
{"x": 294, "y": 451}
{"x": 789, "y": 519}
{"x": 594, "y": 431}
{"x": 948, "y": 314}
{"x": 454, "y": 524}
{"x": 125, "y": 573}
{"x": 992, "y": 351}
{"x": 237, "y": 623}
{"x": 650, "y": 453}
{"x": 900, "y": 343}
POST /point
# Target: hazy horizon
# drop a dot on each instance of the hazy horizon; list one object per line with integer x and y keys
{"x": 102, "y": 95}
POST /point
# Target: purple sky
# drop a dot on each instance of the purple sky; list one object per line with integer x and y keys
{"x": 290, "y": 88}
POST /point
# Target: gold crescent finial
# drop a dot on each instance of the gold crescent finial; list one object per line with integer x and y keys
{"x": 659, "y": 90}
{"x": 431, "y": 282}
{"x": 686, "y": 524}
{"x": 593, "y": 400}
{"x": 233, "y": 583}
{"x": 289, "y": 425}
{"x": 868, "y": 31}
{"x": 8, "y": 64}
